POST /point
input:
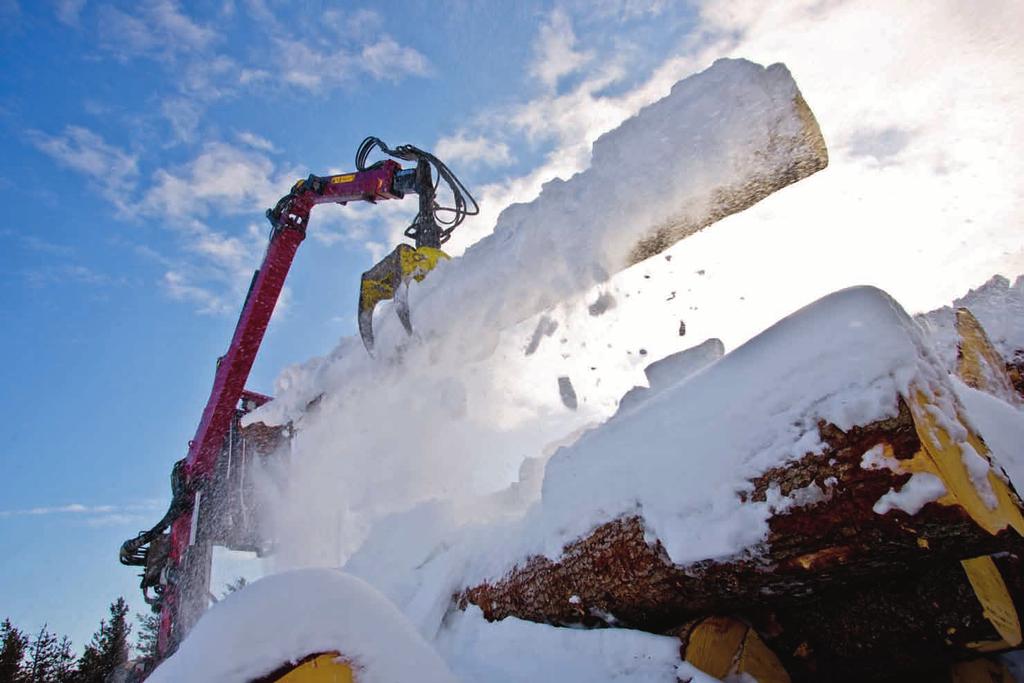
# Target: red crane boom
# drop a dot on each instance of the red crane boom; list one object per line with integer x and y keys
{"x": 178, "y": 570}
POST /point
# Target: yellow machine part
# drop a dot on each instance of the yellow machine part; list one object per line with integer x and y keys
{"x": 382, "y": 282}
{"x": 403, "y": 264}
{"x": 978, "y": 363}
{"x": 324, "y": 668}
{"x": 943, "y": 457}
{"x": 724, "y": 647}
{"x": 416, "y": 263}
{"x": 996, "y": 603}
{"x": 980, "y": 671}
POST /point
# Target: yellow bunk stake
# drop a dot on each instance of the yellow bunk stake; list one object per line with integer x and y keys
{"x": 980, "y": 671}
{"x": 724, "y": 647}
{"x": 996, "y": 603}
{"x": 324, "y": 668}
{"x": 978, "y": 363}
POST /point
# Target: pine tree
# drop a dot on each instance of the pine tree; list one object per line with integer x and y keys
{"x": 13, "y": 644}
{"x": 42, "y": 657}
{"x": 109, "y": 648}
{"x": 146, "y": 640}
{"x": 64, "y": 662}
{"x": 90, "y": 664}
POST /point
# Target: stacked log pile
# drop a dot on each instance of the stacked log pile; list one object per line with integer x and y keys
{"x": 843, "y": 588}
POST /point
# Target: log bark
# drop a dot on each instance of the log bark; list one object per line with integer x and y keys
{"x": 912, "y": 627}
{"x": 619, "y": 577}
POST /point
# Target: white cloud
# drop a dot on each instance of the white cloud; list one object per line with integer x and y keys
{"x": 66, "y": 273}
{"x": 68, "y": 11}
{"x": 350, "y": 22}
{"x": 555, "y": 53}
{"x": 157, "y": 29}
{"x": 256, "y": 142}
{"x": 249, "y": 76}
{"x": 222, "y": 178}
{"x": 183, "y": 115}
{"x": 80, "y": 509}
{"x": 302, "y": 64}
{"x": 180, "y": 288}
{"x": 218, "y": 271}
{"x": 112, "y": 169}
{"x": 40, "y": 245}
{"x": 477, "y": 149}
{"x": 387, "y": 60}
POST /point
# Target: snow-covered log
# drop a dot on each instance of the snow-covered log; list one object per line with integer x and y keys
{"x": 827, "y": 454}
{"x": 285, "y": 618}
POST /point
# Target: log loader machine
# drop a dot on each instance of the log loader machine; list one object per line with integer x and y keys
{"x": 208, "y": 505}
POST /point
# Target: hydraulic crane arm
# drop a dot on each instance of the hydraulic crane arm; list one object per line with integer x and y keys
{"x": 289, "y": 219}
{"x": 177, "y": 564}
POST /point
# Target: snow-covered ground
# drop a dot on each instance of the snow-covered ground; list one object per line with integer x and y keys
{"x": 460, "y": 452}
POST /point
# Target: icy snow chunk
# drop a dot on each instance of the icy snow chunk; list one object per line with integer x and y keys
{"x": 922, "y": 488}
{"x": 876, "y": 459}
{"x": 673, "y": 369}
{"x": 285, "y": 617}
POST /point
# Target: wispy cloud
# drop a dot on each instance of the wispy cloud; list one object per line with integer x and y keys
{"x": 180, "y": 288}
{"x": 624, "y": 9}
{"x": 217, "y": 271}
{"x": 473, "y": 149}
{"x": 304, "y": 64}
{"x": 555, "y": 53}
{"x": 221, "y": 177}
{"x": 66, "y": 273}
{"x": 70, "y": 508}
{"x": 90, "y": 515}
{"x": 114, "y": 171}
{"x": 255, "y": 141}
{"x": 183, "y": 115}
{"x": 38, "y": 244}
{"x": 157, "y": 29}
{"x": 389, "y": 61}
{"x": 68, "y": 11}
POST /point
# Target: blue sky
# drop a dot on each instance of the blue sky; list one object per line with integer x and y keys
{"x": 142, "y": 142}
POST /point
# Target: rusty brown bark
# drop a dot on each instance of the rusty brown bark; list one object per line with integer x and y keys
{"x": 1015, "y": 368}
{"x": 618, "y": 577}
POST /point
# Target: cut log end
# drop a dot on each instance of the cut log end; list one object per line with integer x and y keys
{"x": 805, "y": 154}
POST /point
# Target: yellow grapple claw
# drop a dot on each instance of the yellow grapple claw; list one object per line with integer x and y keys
{"x": 387, "y": 278}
